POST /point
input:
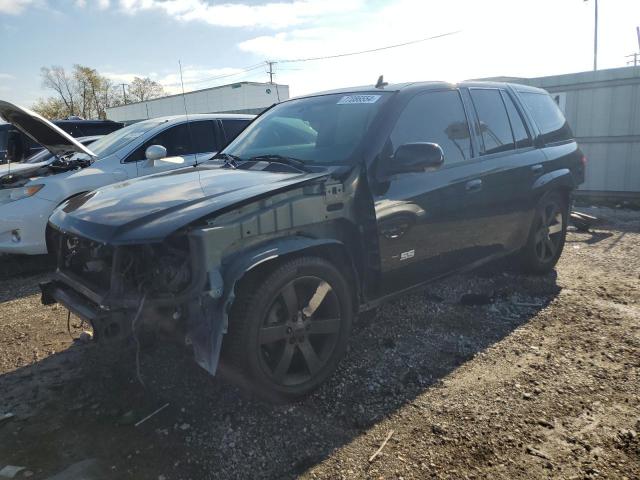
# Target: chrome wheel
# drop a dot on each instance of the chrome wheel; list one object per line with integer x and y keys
{"x": 300, "y": 331}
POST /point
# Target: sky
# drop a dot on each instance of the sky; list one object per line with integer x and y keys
{"x": 127, "y": 38}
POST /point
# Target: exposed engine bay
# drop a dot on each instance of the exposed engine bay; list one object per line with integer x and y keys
{"x": 19, "y": 174}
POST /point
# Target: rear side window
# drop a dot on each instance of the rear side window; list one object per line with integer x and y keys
{"x": 495, "y": 128}
{"x": 520, "y": 132}
{"x": 204, "y": 137}
{"x": 233, "y": 127}
{"x": 436, "y": 117}
{"x": 548, "y": 117}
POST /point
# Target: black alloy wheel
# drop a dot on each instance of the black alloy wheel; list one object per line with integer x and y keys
{"x": 300, "y": 331}
{"x": 289, "y": 328}
{"x": 547, "y": 235}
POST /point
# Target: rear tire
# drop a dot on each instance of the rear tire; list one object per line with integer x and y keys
{"x": 547, "y": 235}
{"x": 284, "y": 343}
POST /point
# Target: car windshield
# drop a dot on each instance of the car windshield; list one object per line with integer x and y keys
{"x": 44, "y": 154}
{"x": 41, "y": 156}
{"x": 115, "y": 141}
{"x": 325, "y": 129}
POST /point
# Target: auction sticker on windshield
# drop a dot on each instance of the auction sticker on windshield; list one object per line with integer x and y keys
{"x": 350, "y": 99}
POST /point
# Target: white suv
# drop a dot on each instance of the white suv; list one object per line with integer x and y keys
{"x": 30, "y": 192}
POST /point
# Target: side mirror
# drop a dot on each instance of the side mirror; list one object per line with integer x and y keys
{"x": 153, "y": 153}
{"x": 416, "y": 157}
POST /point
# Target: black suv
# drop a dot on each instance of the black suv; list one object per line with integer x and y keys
{"x": 74, "y": 127}
{"x": 324, "y": 207}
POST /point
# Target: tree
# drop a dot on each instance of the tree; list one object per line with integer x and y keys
{"x": 56, "y": 79}
{"x": 51, "y": 108}
{"x": 142, "y": 89}
{"x": 84, "y": 93}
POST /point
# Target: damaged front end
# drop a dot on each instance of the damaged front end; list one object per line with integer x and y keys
{"x": 165, "y": 285}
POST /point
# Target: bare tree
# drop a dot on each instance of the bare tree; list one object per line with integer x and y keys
{"x": 51, "y": 108}
{"x": 57, "y": 80}
{"x": 142, "y": 89}
{"x": 84, "y": 92}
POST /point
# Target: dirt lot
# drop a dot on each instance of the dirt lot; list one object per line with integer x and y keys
{"x": 542, "y": 381}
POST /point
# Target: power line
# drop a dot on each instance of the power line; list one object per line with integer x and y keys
{"x": 226, "y": 75}
{"x": 311, "y": 59}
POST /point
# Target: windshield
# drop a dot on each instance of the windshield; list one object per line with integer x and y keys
{"x": 115, "y": 141}
{"x": 41, "y": 156}
{"x": 325, "y": 129}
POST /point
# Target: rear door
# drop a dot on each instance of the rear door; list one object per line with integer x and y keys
{"x": 509, "y": 166}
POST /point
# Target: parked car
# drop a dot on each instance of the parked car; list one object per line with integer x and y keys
{"x": 24, "y": 147}
{"x": 29, "y": 192}
{"x": 326, "y": 206}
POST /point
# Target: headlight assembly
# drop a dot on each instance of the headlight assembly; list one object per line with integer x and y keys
{"x": 8, "y": 195}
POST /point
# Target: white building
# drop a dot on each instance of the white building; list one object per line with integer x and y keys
{"x": 241, "y": 97}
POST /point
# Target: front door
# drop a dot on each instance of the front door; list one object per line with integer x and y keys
{"x": 186, "y": 144}
{"x": 431, "y": 222}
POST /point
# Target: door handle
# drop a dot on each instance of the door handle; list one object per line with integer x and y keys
{"x": 473, "y": 185}
{"x": 537, "y": 169}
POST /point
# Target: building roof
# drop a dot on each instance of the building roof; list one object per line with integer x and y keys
{"x": 219, "y": 87}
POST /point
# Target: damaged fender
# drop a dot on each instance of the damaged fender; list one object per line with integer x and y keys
{"x": 209, "y": 321}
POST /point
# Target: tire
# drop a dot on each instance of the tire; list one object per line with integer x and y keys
{"x": 280, "y": 346}
{"x": 547, "y": 235}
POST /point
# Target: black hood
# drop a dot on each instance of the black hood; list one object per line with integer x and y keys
{"x": 150, "y": 208}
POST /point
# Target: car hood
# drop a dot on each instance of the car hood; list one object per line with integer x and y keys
{"x": 41, "y": 130}
{"x": 150, "y": 208}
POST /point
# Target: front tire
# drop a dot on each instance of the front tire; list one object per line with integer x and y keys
{"x": 547, "y": 235}
{"x": 289, "y": 329}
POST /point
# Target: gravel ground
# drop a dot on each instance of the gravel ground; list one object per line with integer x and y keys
{"x": 538, "y": 378}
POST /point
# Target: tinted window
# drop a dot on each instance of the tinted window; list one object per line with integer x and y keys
{"x": 3, "y": 139}
{"x": 552, "y": 124}
{"x": 177, "y": 140}
{"x": 436, "y": 117}
{"x": 233, "y": 127}
{"x": 494, "y": 122}
{"x": 204, "y": 137}
{"x": 517, "y": 125}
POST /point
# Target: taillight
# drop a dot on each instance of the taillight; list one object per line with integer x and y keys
{"x": 583, "y": 160}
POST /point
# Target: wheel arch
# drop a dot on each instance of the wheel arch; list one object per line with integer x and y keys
{"x": 258, "y": 261}
{"x": 48, "y": 230}
{"x": 560, "y": 180}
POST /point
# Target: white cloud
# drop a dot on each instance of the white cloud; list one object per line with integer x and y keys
{"x": 6, "y": 76}
{"x": 81, "y": 3}
{"x": 13, "y": 7}
{"x": 103, "y": 4}
{"x": 270, "y": 15}
{"x": 498, "y": 38}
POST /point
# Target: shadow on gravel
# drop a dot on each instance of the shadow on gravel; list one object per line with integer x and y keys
{"x": 78, "y": 404}
{"x": 14, "y": 266}
{"x": 593, "y": 237}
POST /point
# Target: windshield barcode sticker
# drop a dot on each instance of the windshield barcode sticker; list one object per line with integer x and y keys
{"x": 350, "y": 99}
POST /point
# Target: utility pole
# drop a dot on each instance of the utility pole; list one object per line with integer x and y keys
{"x": 635, "y": 59}
{"x": 124, "y": 92}
{"x": 595, "y": 37}
{"x": 271, "y": 64}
